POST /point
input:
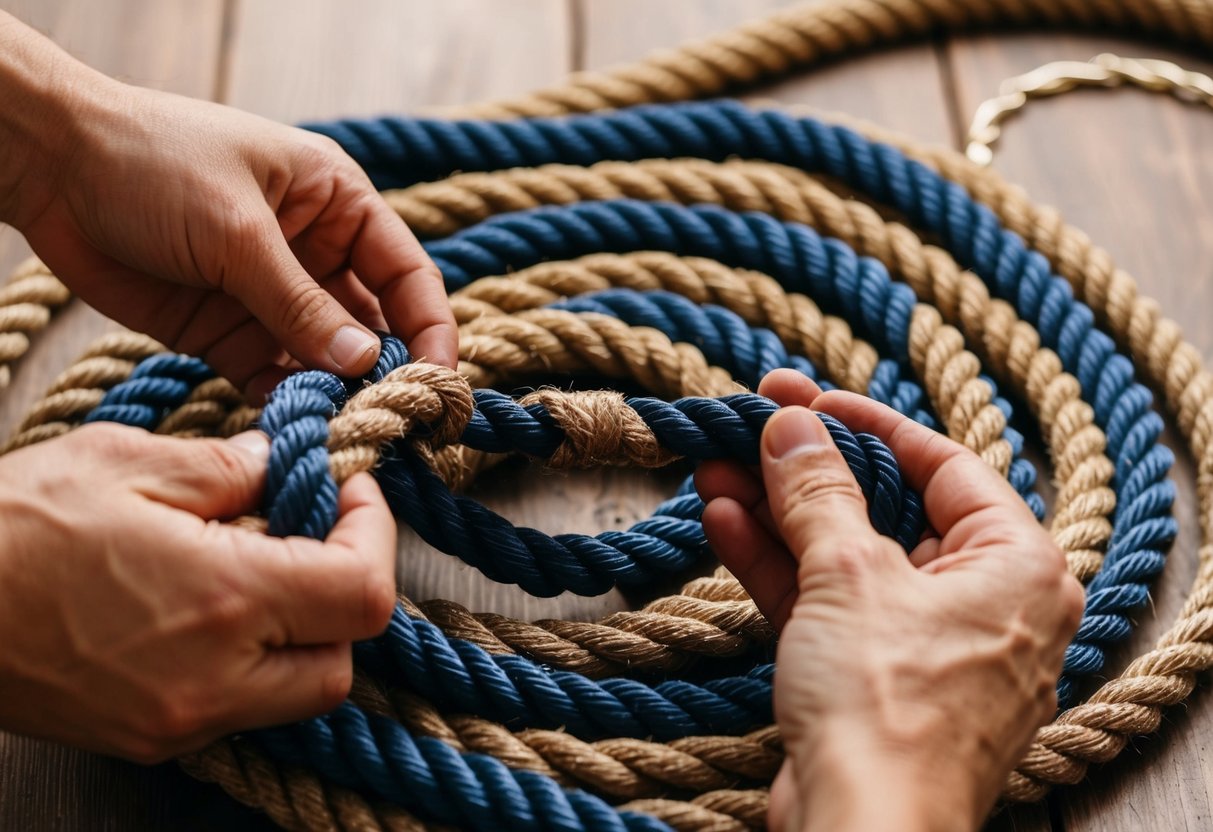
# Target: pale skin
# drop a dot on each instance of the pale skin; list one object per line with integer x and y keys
{"x": 136, "y": 622}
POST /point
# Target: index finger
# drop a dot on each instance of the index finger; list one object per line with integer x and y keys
{"x": 953, "y": 481}
{"x": 389, "y": 260}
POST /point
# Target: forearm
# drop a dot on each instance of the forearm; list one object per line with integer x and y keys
{"x": 45, "y": 93}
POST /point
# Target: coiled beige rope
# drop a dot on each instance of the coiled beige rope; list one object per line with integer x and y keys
{"x": 1091, "y": 732}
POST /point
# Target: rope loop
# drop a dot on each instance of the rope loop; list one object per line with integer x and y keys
{"x": 685, "y": 250}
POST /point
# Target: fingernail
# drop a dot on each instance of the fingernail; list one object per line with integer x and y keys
{"x": 252, "y": 442}
{"x": 350, "y": 346}
{"x": 790, "y": 431}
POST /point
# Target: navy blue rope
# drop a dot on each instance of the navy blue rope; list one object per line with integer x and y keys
{"x": 380, "y": 756}
{"x": 156, "y": 386}
{"x": 300, "y": 492}
{"x": 860, "y": 289}
{"x": 372, "y": 753}
{"x": 727, "y": 341}
{"x": 729, "y": 427}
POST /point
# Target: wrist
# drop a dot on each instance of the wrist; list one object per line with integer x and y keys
{"x": 49, "y": 97}
{"x": 849, "y": 786}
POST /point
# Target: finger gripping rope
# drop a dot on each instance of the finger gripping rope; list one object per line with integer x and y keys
{"x": 592, "y": 244}
{"x": 695, "y": 428}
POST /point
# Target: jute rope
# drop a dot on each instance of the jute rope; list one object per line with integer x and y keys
{"x": 1080, "y": 525}
{"x": 1094, "y": 731}
{"x": 807, "y": 34}
{"x": 27, "y": 302}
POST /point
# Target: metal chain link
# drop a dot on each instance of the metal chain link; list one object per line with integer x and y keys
{"x": 1105, "y": 70}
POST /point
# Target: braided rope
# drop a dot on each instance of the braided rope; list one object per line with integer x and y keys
{"x": 1088, "y": 732}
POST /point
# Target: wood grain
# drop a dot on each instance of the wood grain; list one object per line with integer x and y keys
{"x": 899, "y": 88}
{"x": 294, "y": 61}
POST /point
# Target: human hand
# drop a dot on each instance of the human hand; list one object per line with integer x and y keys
{"x": 220, "y": 233}
{"x": 133, "y": 623}
{"x": 906, "y": 688}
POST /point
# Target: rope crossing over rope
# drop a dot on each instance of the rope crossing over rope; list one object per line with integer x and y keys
{"x": 687, "y": 249}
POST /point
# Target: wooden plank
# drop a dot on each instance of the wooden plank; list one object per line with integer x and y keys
{"x": 1133, "y": 170}
{"x": 898, "y": 88}
{"x": 294, "y": 61}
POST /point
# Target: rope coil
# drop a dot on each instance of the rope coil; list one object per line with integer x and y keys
{"x": 630, "y": 220}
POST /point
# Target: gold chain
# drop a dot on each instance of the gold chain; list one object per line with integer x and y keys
{"x": 1104, "y": 70}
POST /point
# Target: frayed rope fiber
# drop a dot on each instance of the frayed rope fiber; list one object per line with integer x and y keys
{"x": 686, "y": 249}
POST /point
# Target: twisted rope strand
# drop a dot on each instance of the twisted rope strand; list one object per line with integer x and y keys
{"x": 27, "y": 302}
{"x": 1187, "y": 377}
{"x": 795, "y": 254}
{"x": 1165, "y": 675}
{"x": 619, "y": 768}
{"x": 809, "y": 33}
{"x": 80, "y": 388}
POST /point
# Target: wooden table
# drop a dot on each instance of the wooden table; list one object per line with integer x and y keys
{"x": 1134, "y": 170}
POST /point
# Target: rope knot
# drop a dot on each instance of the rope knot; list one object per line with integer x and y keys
{"x": 599, "y": 429}
{"x": 408, "y": 398}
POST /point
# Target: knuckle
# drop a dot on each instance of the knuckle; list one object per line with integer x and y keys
{"x": 848, "y": 565}
{"x": 819, "y": 484}
{"x": 430, "y": 272}
{"x": 324, "y": 147}
{"x": 223, "y": 613}
{"x": 305, "y": 304}
{"x": 171, "y": 721}
{"x": 145, "y": 750}
{"x": 1073, "y": 602}
{"x": 940, "y": 444}
{"x": 378, "y": 601}
{"x": 246, "y": 227}
{"x": 337, "y": 684}
{"x": 224, "y": 465}
{"x": 1047, "y": 563}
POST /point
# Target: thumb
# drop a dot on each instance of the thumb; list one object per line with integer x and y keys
{"x": 215, "y": 479}
{"x": 306, "y": 320}
{"x": 814, "y": 499}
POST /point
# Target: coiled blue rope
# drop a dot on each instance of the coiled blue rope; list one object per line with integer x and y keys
{"x": 860, "y": 289}
{"x": 379, "y": 756}
{"x": 752, "y": 352}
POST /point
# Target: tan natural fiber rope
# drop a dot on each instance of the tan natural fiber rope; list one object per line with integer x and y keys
{"x": 809, "y": 33}
{"x": 619, "y": 768}
{"x": 293, "y": 797}
{"x": 27, "y": 302}
{"x": 296, "y": 799}
{"x": 362, "y": 427}
{"x": 385, "y": 395}
{"x": 81, "y": 387}
{"x": 949, "y": 374}
{"x": 1098, "y": 729}
{"x": 791, "y": 195}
